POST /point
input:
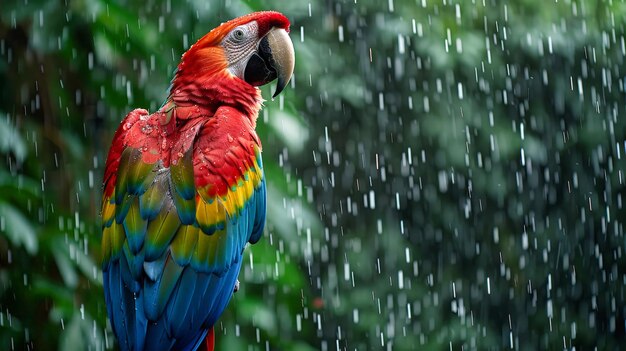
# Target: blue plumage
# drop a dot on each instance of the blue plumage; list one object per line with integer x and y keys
{"x": 260, "y": 205}
{"x": 156, "y": 302}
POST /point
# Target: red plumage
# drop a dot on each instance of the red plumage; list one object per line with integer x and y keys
{"x": 200, "y": 86}
{"x": 224, "y": 150}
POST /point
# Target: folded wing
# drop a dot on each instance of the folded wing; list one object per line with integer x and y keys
{"x": 178, "y": 210}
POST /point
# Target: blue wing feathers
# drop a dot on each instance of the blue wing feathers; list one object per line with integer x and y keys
{"x": 196, "y": 341}
{"x": 157, "y": 293}
{"x": 126, "y": 318}
{"x": 136, "y": 322}
{"x": 125, "y": 275}
{"x": 159, "y": 304}
{"x": 154, "y": 269}
{"x": 203, "y": 283}
{"x": 156, "y": 301}
{"x": 260, "y": 202}
{"x": 220, "y": 303}
{"x": 135, "y": 264}
{"x": 180, "y": 302}
{"x": 157, "y": 337}
{"x": 210, "y": 298}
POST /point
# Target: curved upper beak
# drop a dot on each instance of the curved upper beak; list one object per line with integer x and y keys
{"x": 274, "y": 59}
{"x": 283, "y": 56}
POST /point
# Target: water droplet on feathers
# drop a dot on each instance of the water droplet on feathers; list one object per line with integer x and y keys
{"x": 147, "y": 129}
{"x": 230, "y": 138}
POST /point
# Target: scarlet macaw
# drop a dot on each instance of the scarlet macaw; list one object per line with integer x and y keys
{"x": 184, "y": 189}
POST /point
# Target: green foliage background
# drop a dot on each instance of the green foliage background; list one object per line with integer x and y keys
{"x": 443, "y": 174}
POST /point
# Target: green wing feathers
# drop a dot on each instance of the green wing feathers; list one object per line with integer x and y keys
{"x": 154, "y": 208}
{"x": 175, "y": 226}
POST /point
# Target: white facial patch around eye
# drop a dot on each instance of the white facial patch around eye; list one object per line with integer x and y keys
{"x": 239, "y": 45}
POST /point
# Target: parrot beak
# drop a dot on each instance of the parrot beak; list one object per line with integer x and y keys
{"x": 274, "y": 59}
{"x": 283, "y": 55}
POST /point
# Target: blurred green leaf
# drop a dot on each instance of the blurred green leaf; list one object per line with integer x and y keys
{"x": 291, "y": 129}
{"x": 10, "y": 139}
{"x": 66, "y": 268}
{"x": 79, "y": 334}
{"x": 17, "y": 228}
{"x": 258, "y": 313}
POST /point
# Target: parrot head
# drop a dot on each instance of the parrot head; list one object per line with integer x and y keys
{"x": 255, "y": 49}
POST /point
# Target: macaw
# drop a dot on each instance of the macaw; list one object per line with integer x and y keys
{"x": 184, "y": 190}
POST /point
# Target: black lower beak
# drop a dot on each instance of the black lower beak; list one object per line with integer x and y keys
{"x": 260, "y": 68}
{"x": 273, "y": 59}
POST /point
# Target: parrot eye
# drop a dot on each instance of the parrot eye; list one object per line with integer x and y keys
{"x": 238, "y": 34}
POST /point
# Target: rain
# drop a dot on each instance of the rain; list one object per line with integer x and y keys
{"x": 441, "y": 174}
